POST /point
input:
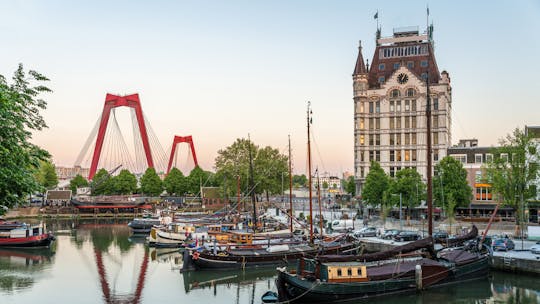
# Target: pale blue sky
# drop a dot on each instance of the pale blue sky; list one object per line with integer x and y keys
{"x": 219, "y": 70}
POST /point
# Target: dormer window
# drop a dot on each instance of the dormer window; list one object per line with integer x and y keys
{"x": 410, "y": 92}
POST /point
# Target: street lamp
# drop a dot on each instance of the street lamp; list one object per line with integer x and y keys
{"x": 400, "y": 217}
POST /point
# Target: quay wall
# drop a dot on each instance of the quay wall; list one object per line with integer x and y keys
{"x": 512, "y": 263}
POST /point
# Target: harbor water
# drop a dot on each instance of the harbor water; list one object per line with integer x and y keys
{"x": 99, "y": 261}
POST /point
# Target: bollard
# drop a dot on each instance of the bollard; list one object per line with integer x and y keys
{"x": 418, "y": 277}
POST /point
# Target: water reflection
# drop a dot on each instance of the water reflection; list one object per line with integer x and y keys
{"x": 20, "y": 269}
{"x": 211, "y": 279}
{"x": 99, "y": 261}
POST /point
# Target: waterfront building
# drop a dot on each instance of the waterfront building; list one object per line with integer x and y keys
{"x": 390, "y": 98}
{"x": 473, "y": 158}
{"x": 533, "y": 205}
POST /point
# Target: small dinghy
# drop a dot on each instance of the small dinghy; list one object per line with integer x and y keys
{"x": 270, "y": 297}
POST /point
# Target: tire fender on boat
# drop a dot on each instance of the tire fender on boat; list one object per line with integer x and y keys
{"x": 195, "y": 255}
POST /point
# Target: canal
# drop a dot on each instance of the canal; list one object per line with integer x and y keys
{"x": 99, "y": 261}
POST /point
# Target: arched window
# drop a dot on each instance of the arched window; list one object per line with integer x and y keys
{"x": 395, "y": 93}
{"x": 410, "y": 92}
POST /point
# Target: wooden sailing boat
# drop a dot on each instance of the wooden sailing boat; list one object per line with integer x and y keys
{"x": 331, "y": 278}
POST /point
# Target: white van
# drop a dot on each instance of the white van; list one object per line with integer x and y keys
{"x": 342, "y": 225}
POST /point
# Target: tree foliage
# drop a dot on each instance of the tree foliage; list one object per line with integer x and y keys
{"x": 20, "y": 107}
{"x": 451, "y": 182}
{"x": 268, "y": 167}
{"x": 377, "y": 183}
{"x": 77, "y": 182}
{"x": 101, "y": 183}
{"x": 513, "y": 169}
{"x": 151, "y": 184}
{"x": 175, "y": 183}
{"x": 124, "y": 183}
{"x": 350, "y": 186}
{"x": 300, "y": 180}
{"x": 46, "y": 175}
{"x": 409, "y": 184}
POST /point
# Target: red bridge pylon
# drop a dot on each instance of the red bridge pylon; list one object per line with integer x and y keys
{"x": 114, "y": 101}
{"x": 176, "y": 141}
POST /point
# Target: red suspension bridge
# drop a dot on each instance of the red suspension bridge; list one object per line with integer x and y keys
{"x": 110, "y": 149}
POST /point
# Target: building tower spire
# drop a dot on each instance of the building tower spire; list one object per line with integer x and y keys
{"x": 360, "y": 67}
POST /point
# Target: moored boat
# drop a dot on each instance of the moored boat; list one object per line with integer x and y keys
{"x": 144, "y": 224}
{"x": 22, "y": 235}
{"x": 175, "y": 235}
{"x": 331, "y": 278}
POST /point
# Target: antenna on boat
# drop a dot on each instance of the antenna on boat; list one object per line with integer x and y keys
{"x": 309, "y": 122}
{"x": 320, "y": 207}
{"x": 429, "y": 199}
{"x": 291, "y": 213}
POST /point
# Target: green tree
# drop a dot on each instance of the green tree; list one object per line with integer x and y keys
{"x": 46, "y": 176}
{"x": 151, "y": 184}
{"x": 268, "y": 167}
{"x": 196, "y": 178}
{"x": 124, "y": 183}
{"x": 102, "y": 183}
{"x": 20, "y": 106}
{"x": 513, "y": 170}
{"x": 376, "y": 185}
{"x": 300, "y": 180}
{"x": 451, "y": 181}
{"x": 175, "y": 182}
{"x": 409, "y": 184}
{"x": 77, "y": 182}
{"x": 350, "y": 186}
{"x": 325, "y": 185}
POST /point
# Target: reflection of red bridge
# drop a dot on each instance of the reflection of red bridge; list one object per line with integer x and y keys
{"x": 105, "y": 288}
{"x": 111, "y": 150}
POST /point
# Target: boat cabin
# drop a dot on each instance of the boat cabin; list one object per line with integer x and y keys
{"x": 221, "y": 232}
{"x": 334, "y": 272}
{"x": 242, "y": 237}
{"x": 19, "y": 230}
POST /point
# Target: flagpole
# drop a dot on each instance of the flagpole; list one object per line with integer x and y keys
{"x": 427, "y": 19}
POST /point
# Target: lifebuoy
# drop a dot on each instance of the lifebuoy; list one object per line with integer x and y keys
{"x": 195, "y": 255}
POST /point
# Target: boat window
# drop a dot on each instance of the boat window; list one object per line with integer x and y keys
{"x": 349, "y": 272}
{"x": 339, "y": 272}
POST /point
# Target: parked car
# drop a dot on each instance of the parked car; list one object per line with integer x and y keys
{"x": 390, "y": 233}
{"x": 366, "y": 231}
{"x": 440, "y": 235}
{"x": 407, "y": 236}
{"x": 536, "y": 248}
{"x": 503, "y": 244}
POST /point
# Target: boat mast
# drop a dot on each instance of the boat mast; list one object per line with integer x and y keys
{"x": 320, "y": 207}
{"x": 252, "y": 186}
{"x": 429, "y": 165}
{"x": 291, "y": 213}
{"x": 309, "y": 121}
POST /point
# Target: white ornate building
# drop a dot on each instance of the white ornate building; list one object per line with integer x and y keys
{"x": 390, "y": 104}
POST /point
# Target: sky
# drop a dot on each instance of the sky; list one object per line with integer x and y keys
{"x": 220, "y": 70}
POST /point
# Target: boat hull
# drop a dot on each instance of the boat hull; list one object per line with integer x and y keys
{"x": 37, "y": 241}
{"x": 298, "y": 290}
{"x": 206, "y": 260}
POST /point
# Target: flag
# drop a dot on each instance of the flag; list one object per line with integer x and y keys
{"x": 376, "y": 15}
